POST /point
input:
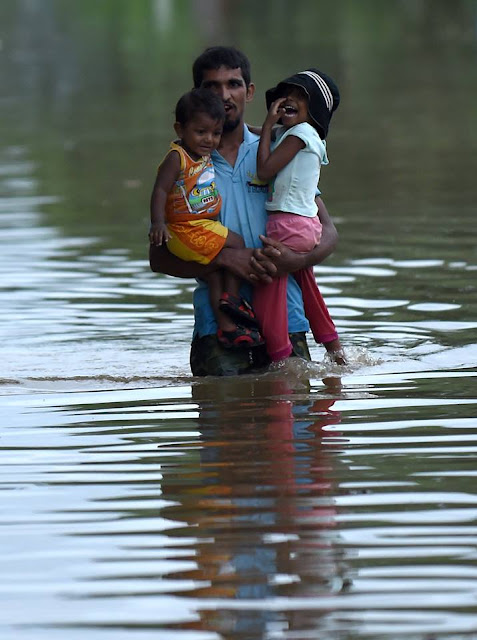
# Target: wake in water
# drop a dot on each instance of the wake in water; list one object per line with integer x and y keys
{"x": 356, "y": 357}
{"x": 138, "y": 372}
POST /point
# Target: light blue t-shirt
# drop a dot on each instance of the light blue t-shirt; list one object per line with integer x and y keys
{"x": 243, "y": 211}
{"x": 294, "y": 187}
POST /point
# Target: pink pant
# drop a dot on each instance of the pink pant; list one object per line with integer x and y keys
{"x": 299, "y": 233}
{"x": 270, "y": 300}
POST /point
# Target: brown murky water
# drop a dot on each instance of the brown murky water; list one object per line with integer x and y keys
{"x": 308, "y": 502}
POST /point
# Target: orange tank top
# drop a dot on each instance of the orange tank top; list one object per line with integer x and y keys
{"x": 194, "y": 194}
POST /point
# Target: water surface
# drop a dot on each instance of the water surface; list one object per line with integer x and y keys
{"x": 312, "y": 501}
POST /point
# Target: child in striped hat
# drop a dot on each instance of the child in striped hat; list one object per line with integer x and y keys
{"x": 290, "y": 158}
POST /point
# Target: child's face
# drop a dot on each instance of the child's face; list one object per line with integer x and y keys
{"x": 201, "y": 135}
{"x": 295, "y": 106}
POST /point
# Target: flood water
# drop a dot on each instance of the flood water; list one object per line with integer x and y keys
{"x": 313, "y": 501}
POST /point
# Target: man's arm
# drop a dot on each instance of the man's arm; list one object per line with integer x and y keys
{"x": 161, "y": 260}
{"x": 253, "y": 265}
{"x": 239, "y": 261}
{"x": 329, "y": 236}
{"x": 275, "y": 258}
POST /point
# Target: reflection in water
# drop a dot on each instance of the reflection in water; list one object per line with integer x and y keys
{"x": 258, "y": 506}
{"x": 262, "y": 506}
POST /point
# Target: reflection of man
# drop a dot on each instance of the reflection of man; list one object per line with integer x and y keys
{"x": 260, "y": 503}
{"x": 226, "y": 71}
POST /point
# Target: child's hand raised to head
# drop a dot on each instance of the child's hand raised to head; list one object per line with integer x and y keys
{"x": 158, "y": 233}
{"x": 275, "y": 112}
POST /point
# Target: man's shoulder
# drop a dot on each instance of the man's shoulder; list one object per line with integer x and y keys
{"x": 250, "y": 138}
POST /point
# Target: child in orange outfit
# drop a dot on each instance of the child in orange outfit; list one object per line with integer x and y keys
{"x": 185, "y": 205}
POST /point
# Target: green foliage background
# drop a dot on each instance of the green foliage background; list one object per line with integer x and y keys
{"x": 89, "y": 89}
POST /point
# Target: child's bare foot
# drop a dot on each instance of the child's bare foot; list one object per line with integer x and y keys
{"x": 338, "y": 357}
{"x": 335, "y": 352}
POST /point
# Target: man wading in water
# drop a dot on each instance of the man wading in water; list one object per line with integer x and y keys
{"x": 226, "y": 71}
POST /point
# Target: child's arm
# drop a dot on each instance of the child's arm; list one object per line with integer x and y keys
{"x": 166, "y": 176}
{"x": 270, "y": 162}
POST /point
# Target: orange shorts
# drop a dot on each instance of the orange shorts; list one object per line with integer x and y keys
{"x": 197, "y": 240}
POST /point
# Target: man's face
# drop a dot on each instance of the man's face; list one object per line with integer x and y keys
{"x": 230, "y": 86}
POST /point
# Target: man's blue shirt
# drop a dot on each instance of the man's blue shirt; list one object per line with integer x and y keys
{"x": 243, "y": 211}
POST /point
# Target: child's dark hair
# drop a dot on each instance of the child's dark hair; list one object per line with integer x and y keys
{"x": 199, "y": 101}
{"x": 216, "y": 57}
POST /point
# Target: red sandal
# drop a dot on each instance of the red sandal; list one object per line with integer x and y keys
{"x": 242, "y": 337}
{"x": 239, "y": 310}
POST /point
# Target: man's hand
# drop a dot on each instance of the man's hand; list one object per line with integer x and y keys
{"x": 243, "y": 263}
{"x": 277, "y": 259}
{"x": 239, "y": 261}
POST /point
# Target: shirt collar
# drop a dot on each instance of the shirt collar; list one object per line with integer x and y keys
{"x": 249, "y": 139}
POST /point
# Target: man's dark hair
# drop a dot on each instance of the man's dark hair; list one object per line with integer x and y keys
{"x": 216, "y": 57}
{"x": 199, "y": 101}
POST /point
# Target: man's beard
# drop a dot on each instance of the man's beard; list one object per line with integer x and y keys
{"x": 231, "y": 125}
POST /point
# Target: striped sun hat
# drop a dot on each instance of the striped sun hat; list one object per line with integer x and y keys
{"x": 322, "y": 92}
